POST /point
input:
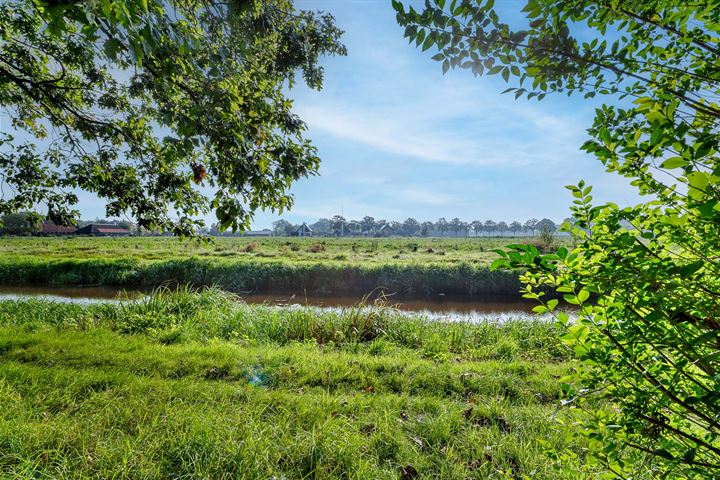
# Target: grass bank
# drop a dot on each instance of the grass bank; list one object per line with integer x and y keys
{"x": 193, "y": 385}
{"x": 261, "y": 276}
{"x": 329, "y": 266}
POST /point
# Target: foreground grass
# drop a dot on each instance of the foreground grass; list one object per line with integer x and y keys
{"x": 196, "y": 386}
{"x": 329, "y": 266}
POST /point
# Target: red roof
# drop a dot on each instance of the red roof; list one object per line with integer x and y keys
{"x": 49, "y": 227}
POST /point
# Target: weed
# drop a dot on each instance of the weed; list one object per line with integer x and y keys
{"x": 317, "y": 248}
{"x": 250, "y": 247}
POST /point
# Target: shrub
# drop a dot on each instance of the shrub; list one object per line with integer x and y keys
{"x": 250, "y": 247}
{"x": 317, "y": 248}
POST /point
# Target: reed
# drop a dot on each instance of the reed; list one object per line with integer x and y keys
{"x": 262, "y": 276}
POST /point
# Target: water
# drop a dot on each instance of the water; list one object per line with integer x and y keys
{"x": 68, "y": 294}
{"x": 440, "y": 307}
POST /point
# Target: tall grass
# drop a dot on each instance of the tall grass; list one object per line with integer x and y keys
{"x": 262, "y": 276}
{"x": 187, "y": 384}
{"x": 173, "y": 315}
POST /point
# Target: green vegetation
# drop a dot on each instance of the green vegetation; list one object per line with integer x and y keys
{"x": 646, "y": 277}
{"x": 199, "y": 122}
{"x": 195, "y": 385}
{"x": 412, "y": 266}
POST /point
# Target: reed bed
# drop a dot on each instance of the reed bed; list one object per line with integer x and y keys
{"x": 262, "y": 276}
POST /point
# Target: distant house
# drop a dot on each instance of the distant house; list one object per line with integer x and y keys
{"x": 49, "y": 228}
{"x": 258, "y": 233}
{"x": 103, "y": 230}
{"x": 386, "y": 230}
{"x": 303, "y": 231}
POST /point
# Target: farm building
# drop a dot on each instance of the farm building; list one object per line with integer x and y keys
{"x": 258, "y": 233}
{"x": 103, "y": 230}
{"x": 49, "y": 228}
{"x": 386, "y": 231}
{"x": 303, "y": 231}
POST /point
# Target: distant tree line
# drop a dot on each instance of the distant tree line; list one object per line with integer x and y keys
{"x": 368, "y": 226}
{"x": 23, "y": 224}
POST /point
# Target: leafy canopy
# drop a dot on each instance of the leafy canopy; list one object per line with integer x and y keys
{"x": 166, "y": 110}
{"x": 646, "y": 278}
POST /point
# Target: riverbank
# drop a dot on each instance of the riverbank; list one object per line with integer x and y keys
{"x": 196, "y": 385}
{"x": 241, "y": 275}
{"x": 300, "y": 266}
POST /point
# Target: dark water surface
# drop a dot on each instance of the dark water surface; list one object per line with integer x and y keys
{"x": 496, "y": 308}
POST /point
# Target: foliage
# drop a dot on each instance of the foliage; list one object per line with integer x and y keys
{"x": 646, "y": 277}
{"x": 411, "y": 227}
{"x": 283, "y": 227}
{"x": 152, "y": 105}
{"x": 20, "y": 223}
{"x": 546, "y": 229}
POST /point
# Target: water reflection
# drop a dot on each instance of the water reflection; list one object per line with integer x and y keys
{"x": 440, "y": 307}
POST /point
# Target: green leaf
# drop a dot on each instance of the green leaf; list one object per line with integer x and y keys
{"x": 429, "y": 41}
{"x": 499, "y": 263}
{"x": 571, "y": 299}
{"x": 674, "y": 162}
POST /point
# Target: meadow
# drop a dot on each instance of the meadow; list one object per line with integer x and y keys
{"x": 415, "y": 266}
{"x": 197, "y": 385}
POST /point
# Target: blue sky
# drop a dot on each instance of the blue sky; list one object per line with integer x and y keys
{"x": 398, "y": 139}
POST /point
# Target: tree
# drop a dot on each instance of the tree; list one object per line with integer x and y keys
{"x": 490, "y": 226}
{"x": 464, "y": 228}
{"x": 455, "y": 225}
{"x": 354, "y": 227}
{"x": 441, "y": 226}
{"x": 530, "y": 225}
{"x": 337, "y": 224}
{"x": 167, "y": 111}
{"x": 410, "y": 227}
{"x": 322, "y": 226}
{"x": 368, "y": 224}
{"x": 649, "y": 339}
{"x": 477, "y": 227}
{"x": 21, "y": 223}
{"x": 546, "y": 225}
{"x": 282, "y": 227}
{"x": 426, "y": 229}
{"x": 515, "y": 227}
{"x": 546, "y": 230}
{"x": 502, "y": 227}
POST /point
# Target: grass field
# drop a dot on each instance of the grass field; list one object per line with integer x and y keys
{"x": 193, "y": 385}
{"x": 312, "y": 250}
{"x": 411, "y": 266}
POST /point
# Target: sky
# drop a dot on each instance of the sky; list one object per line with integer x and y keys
{"x": 399, "y": 139}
